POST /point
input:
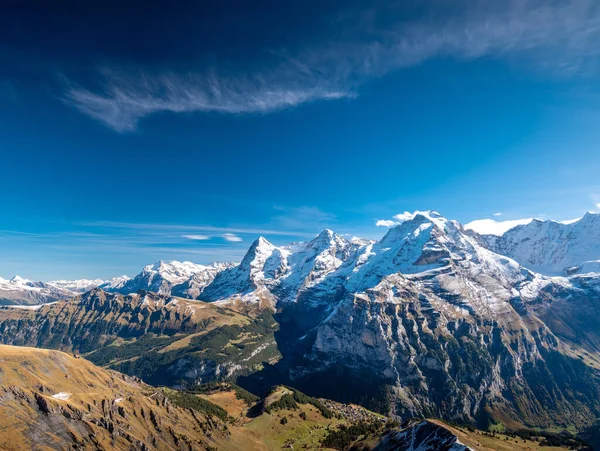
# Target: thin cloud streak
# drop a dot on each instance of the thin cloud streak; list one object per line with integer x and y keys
{"x": 197, "y": 237}
{"x": 232, "y": 237}
{"x": 181, "y": 227}
{"x": 127, "y": 98}
{"x": 558, "y": 36}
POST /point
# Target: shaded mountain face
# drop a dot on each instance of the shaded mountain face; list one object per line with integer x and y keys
{"x": 552, "y": 248}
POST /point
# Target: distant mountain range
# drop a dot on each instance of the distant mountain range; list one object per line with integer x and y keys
{"x": 432, "y": 320}
{"x": 550, "y": 248}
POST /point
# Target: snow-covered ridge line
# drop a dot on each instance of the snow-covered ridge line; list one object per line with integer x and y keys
{"x": 550, "y": 247}
{"x": 491, "y": 226}
{"x": 418, "y": 242}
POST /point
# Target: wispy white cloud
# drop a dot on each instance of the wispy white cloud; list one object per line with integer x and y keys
{"x": 493, "y": 227}
{"x": 232, "y": 237}
{"x": 127, "y": 97}
{"x": 196, "y": 237}
{"x": 557, "y": 35}
{"x": 403, "y": 217}
{"x": 386, "y": 223}
{"x": 497, "y": 214}
{"x": 186, "y": 228}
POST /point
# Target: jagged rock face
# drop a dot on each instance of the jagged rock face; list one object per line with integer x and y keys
{"x": 438, "y": 363}
{"x": 94, "y": 318}
{"x": 164, "y": 340}
{"x": 570, "y": 308}
{"x": 552, "y": 248}
{"x": 281, "y": 273}
{"x": 257, "y": 271}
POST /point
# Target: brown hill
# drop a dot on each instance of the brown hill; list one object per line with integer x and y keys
{"x": 52, "y": 400}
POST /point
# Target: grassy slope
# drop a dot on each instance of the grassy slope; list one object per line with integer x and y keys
{"x": 267, "y": 428}
{"x": 145, "y": 336}
{"x": 50, "y": 400}
{"x": 309, "y": 433}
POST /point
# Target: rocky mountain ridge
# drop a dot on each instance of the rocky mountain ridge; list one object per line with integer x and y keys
{"x": 427, "y": 321}
{"x": 163, "y": 339}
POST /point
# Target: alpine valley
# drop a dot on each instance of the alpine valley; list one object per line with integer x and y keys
{"x": 499, "y": 333}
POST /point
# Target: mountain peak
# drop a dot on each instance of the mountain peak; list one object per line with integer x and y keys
{"x": 261, "y": 241}
{"x": 590, "y": 216}
{"x": 259, "y": 244}
{"x": 325, "y": 237}
{"x": 19, "y": 279}
{"x": 413, "y": 225}
{"x": 173, "y": 265}
{"x": 326, "y": 233}
{"x": 260, "y": 248}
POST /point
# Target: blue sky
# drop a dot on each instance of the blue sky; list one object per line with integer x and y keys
{"x": 129, "y": 136}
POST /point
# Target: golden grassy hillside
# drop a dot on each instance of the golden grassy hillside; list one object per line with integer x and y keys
{"x": 51, "y": 400}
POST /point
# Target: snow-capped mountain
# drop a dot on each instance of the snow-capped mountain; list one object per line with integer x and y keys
{"x": 414, "y": 311}
{"x": 162, "y": 276}
{"x": 193, "y": 287}
{"x": 273, "y": 273}
{"x": 551, "y": 247}
{"x": 428, "y": 320}
{"x": 22, "y": 291}
{"x": 115, "y": 284}
{"x": 427, "y": 244}
{"x": 76, "y": 286}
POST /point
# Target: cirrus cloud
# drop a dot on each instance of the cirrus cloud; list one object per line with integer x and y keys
{"x": 231, "y": 237}
{"x": 556, "y": 35}
{"x": 197, "y": 237}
